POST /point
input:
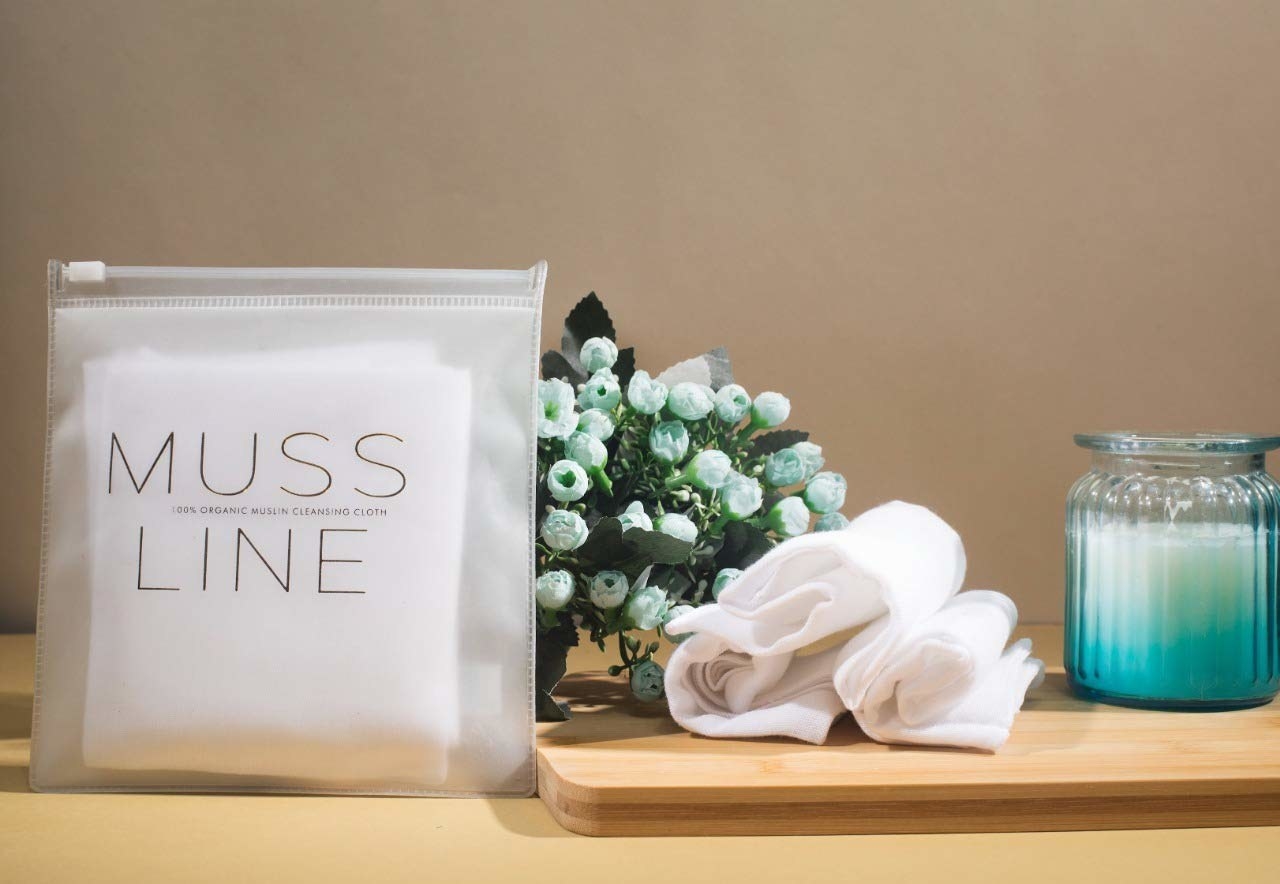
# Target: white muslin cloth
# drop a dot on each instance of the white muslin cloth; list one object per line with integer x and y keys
{"x": 928, "y": 666}
{"x": 253, "y": 665}
{"x": 723, "y": 692}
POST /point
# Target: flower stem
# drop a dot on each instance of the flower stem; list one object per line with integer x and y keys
{"x": 602, "y": 480}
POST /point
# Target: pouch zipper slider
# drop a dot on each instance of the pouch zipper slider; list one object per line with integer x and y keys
{"x": 86, "y": 271}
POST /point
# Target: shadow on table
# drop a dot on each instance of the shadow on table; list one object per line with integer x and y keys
{"x": 15, "y": 716}
{"x": 604, "y": 710}
{"x": 14, "y": 779}
{"x": 15, "y": 741}
{"x": 528, "y": 817}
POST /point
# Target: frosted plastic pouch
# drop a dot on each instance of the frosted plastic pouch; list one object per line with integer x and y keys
{"x": 288, "y": 531}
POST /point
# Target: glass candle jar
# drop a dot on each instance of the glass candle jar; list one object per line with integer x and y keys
{"x": 1171, "y": 572}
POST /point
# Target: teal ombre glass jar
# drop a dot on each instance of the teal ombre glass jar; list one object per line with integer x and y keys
{"x": 1171, "y": 572}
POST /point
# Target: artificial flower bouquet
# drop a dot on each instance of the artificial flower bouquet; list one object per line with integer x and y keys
{"x": 654, "y": 493}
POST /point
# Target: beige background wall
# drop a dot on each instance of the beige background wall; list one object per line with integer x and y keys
{"x": 954, "y": 233}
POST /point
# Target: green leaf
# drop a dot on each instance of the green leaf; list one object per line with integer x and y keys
{"x": 720, "y": 366}
{"x": 604, "y": 545}
{"x": 743, "y": 545}
{"x": 607, "y": 546}
{"x": 768, "y": 443}
{"x": 548, "y": 709}
{"x": 588, "y": 319}
{"x": 658, "y": 547}
{"x": 555, "y": 365}
{"x": 549, "y": 667}
{"x": 695, "y": 371}
{"x": 542, "y": 495}
{"x": 675, "y": 583}
{"x": 625, "y": 367}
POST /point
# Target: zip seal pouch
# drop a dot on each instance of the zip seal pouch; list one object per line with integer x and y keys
{"x": 288, "y": 531}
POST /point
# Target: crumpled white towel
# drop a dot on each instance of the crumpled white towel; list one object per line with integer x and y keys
{"x": 738, "y": 676}
{"x": 894, "y": 567}
{"x": 949, "y": 682}
{"x": 723, "y": 692}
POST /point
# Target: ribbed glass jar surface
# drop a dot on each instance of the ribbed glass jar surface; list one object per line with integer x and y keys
{"x": 1171, "y": 572}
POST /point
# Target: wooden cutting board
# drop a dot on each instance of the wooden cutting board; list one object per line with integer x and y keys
{"x": 619, "y": 767}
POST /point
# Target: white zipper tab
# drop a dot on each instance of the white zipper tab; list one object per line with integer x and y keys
{"x": 86, "y": 271}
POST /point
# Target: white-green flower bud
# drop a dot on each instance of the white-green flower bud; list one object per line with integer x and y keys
{"x": 669, "y": 441}
{"x": 586, "y": 451}
{"x": 609, "y": 589}
{"x": 595, "y": 422}
{"x": 690, "y": 401}
{"x": 556, "y": 417}
{"x": 564, "y": 530}
{"x": 782, "y": 468}
{"x": 600, "y": 391}
{"x": 634, "y": 516}
{"x": 647, "y": 681}
{"x": 567, "y": 481}
{"x": 679, "y": 526}
{"x": 732, "y": 403}
{"x": 554, "y": 590}
{"x": 789, "y": 517}
{"x": 647, "y": 607}
{"x": 770, "y": 410}
{"x": 724, "y": 577}
{"x": 677, "y": 611}
{"x": 709, "y": 469}
{"x": 598, "y": 353}
{"x": 740, "y": 497}
{"x": 831, "y": 522}
{"x": 646, "y": 395}
{"x": 811, "y": 455}
{"x": 825, "y": 492}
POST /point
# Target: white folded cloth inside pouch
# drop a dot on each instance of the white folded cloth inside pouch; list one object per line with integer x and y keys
{"x": 928, "y": 666}
{"x": 276, "y": 547}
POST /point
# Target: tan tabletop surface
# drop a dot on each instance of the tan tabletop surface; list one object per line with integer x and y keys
{"x": 272, "y": 838}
